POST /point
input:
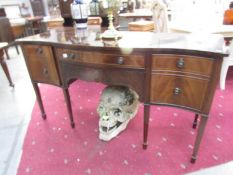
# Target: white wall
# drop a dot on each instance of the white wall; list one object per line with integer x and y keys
{"x": 198, "y": 12}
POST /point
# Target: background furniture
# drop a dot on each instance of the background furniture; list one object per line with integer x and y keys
{"x": 3, "y": 63}
{"x": 227, "y": 61}
{"x": 53, "y": 22}
{"x": 141, "y": 26}
{"x": 2, "y": 12}
{"x": 137, "y": 15}
{"x": 18, "y": 30}
{"x": 65, "y": 12}
{"x": 37, "y": 7}
{"x": 94, "y": 20}
{"x": 164, "y": 69}
{"x": 33, "y": 25}
{"x": 7, "y": 35}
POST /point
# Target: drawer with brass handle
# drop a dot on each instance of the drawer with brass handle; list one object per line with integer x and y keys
{"x": 182, "y": 63}
{"x": 106, "y": 59}
{"x": 71, "y": 56}
{"x": 178, "y": 90}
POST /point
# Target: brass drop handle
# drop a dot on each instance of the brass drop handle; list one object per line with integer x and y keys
{"x": 180, "y": 63}
{"x": 120, "y": 60}
{"x": 177, "y": 91}
{"x": 39, "y": 50}
{"x": 45, "y": 71}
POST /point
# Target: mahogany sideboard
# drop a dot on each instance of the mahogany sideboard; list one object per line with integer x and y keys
{"x": 177, "y": 70}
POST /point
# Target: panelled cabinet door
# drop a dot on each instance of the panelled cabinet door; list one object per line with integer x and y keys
{"x": 37, "y": 7}
{"x": 65, "y": 8}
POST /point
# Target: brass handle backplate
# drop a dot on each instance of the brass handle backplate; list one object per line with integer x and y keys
{"x": 177, "y": 91}
{"x": 45, "y": 71}
{"x": 39, "y": 50}
{"x": 120, "y": 60}
{"x": 180, "y": 63}
{"x": 72, "y": 56}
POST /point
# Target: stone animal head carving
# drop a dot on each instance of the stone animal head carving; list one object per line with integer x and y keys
{"x": 118, "y": 105}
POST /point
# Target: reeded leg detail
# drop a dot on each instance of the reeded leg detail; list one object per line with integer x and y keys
{"x": 199, "y": 136}
{"x": 146, "y": 125}
{"x": 195, "y": 121}
{"x": 67, "y": 99}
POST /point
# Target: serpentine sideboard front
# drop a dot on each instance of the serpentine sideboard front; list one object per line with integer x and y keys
{"x": 179, "y": 70}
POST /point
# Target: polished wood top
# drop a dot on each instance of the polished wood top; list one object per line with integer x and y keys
{"x": 148, "y": 41}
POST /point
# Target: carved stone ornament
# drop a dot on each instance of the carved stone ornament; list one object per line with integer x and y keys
{"x": 118, "y": 105}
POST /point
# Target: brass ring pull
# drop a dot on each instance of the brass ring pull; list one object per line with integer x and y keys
{"x": 177, "y": 91}
{"x": 180, "y": 63}
{"x": 120, "y": 60}
{"x": 45, "y": 71}
{"x": 39, "y": 50}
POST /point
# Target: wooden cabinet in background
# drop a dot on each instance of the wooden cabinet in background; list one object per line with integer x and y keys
{"x": 37, "y": 7}
{"x": 66, "y": 12}
{"x": 2, "y": 12}
{"x": 65, "y": 8}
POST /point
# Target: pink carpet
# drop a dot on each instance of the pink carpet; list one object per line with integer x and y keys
{"x": 52, "y": 147}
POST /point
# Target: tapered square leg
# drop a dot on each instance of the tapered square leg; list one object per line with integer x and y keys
{"x": 5, "y": 68}
{"x": 69, "y": 108}
{"x": 38, "y": 96}
{"x": 199, "y": 136}
{"x": 146, "y": 125}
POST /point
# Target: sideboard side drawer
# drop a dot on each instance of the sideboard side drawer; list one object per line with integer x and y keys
{"x": 41, "y": 64}
{"x": 178, "y": 90}
{"x": 182, "y": 63}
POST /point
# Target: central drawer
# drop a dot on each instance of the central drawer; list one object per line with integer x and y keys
{"x": 182, "y": 63}
{"x": 111, "y": 59}
{"x": 178, "y": 90}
